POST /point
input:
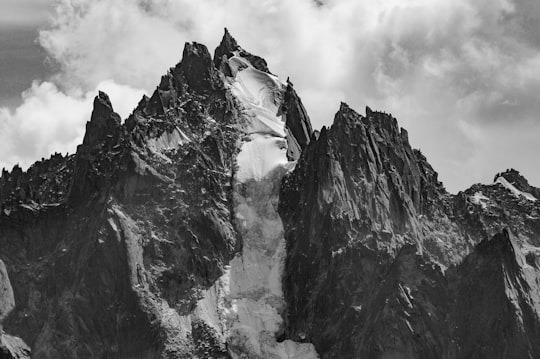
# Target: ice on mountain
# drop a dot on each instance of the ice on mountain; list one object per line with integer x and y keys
{"x": 167, "y": 141}
{"x": 246, "y": 304}
{"x": 479, "y": 199}
{"x": 258, "y": 157}
{"x": 516, "y": 192}
{"x": 260, "y": 94}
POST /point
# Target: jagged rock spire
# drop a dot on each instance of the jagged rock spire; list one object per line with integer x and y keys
{"x": 225, "y": 50}
{"x": 103, "y": 123}
{"x": 103, "y": 132}
{"x": 196, "y": 68}
{"x": 297, "y": 122}
{"x": 369, "y": 111}
{"x": 227, "y": 45}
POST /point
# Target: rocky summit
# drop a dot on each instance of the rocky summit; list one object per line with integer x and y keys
{"x": 214, "y": 222}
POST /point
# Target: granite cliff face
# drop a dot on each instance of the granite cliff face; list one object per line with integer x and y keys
{"x": 215, "y": 223}
{"x": 384, "y": 263}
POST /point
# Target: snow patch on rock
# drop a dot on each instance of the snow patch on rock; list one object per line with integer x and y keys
{"x": 479, "y": 199}
{"x": 256, "y": 274}
{"x": 516, "y": 192}
{"x": 167, "y": 140}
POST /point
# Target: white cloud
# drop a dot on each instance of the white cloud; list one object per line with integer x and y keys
{"x": 457, "y": 74}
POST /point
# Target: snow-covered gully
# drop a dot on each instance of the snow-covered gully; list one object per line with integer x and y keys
{"x": 246, "y": 305}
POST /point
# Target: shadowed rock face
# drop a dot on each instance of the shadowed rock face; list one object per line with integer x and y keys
{"x": 195, "y": 69}
{"x": 297, "y": 121}
{"x": 110, "y": 250}
{"x": 93, "y": 170}
{"x": 137, "y": 246}
{"x": 10, "y": 347}
{"x": 497, "y": 303}
{"x": 111, "y": 268}
{"x": 351, "y": 210}
{"x": 383, "y": 263}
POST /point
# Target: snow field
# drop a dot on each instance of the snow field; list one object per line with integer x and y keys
{"x": 246, "y": 306}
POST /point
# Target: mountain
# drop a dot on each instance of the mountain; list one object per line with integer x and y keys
{"x": 214, "y": 222}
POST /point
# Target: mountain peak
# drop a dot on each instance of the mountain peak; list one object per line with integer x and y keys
{"x": 103, "y": 122}
{"x": 195, "y": 48}
{"x": 344, "y": 107}
{"x": 103, "y": 99}
{"x": 226, "y": 47}
{"x": 516, "y": 179}
{"x": 369, "y": 111}
{"x": 511, "y": 175}
{"x": 196, "y": 68}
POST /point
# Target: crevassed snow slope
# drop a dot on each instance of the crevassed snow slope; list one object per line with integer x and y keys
{"x": 246, "y": 306}
{"x": 255, "y": 279}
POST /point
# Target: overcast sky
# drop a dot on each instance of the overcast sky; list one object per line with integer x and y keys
{"x": 462, "y": 76}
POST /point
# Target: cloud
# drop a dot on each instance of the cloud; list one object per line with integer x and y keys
{"x": 462, "y": 76}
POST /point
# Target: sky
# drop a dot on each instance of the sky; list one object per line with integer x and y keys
{"x": 21, "y": 57}
{"x": 462, "y": 76}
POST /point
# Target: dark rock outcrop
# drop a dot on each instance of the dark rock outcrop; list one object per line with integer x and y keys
{"x": 196, "y": 69}
{"x": 383, "y": 262}
{"x": 497, "y": 306}
{"x": 225, "y": 49}
{"x": 97, "y": 157}
{"x": 145, "y": 227}
{"x": 297, "y": 122}
{"x": 350, "y": 206}
{"x": 10, "y": 347}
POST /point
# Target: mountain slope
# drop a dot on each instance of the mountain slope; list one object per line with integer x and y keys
{"x": 384, "y": 263}
{"x": 215, "y": 223}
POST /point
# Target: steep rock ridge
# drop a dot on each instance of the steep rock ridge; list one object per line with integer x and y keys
{"x": 363, "y": 173}
{"x": 96, "y": 158}
{"x": 35, "y": 187}
{"x": 124, "y": 254}
{"x": 146, "y": 228}
{"x": 243, "y": 309}
{"x": 297, "y": 123}
{"x": 67, "y": 266}
{"x": 380, "y": 256}
{"x": 484, "y": 210}
{"x": 351, "y": 205}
